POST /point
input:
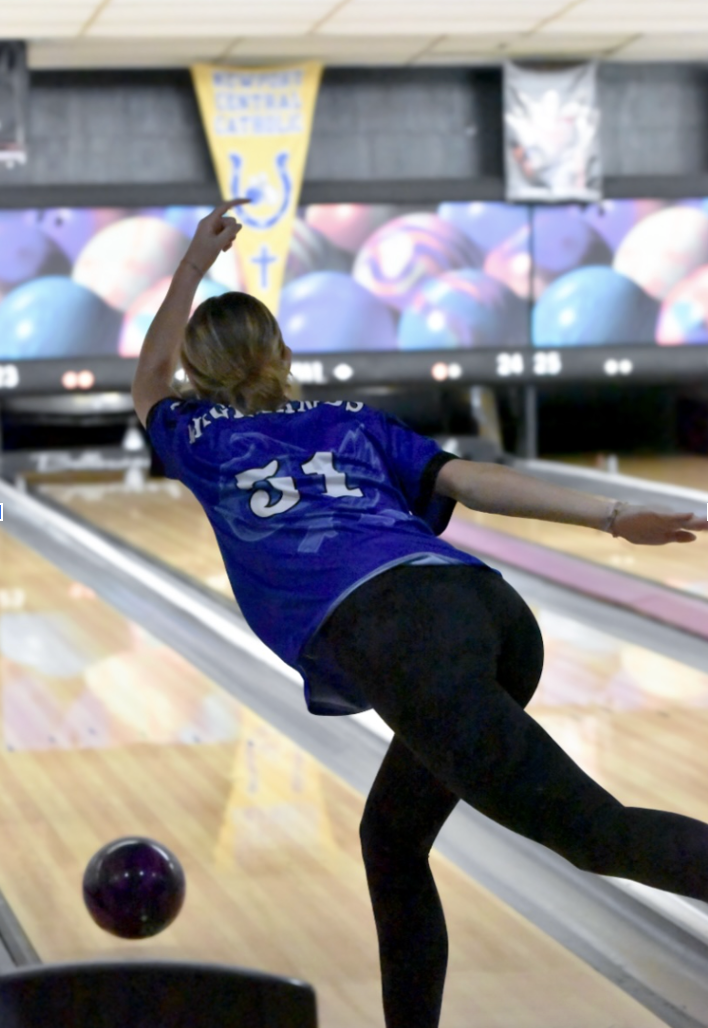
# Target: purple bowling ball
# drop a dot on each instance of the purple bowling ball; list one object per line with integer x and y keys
{"x": 593, "y": 307}
{"x": 184, "y": 218}
{"x": 72, "y": 227}
{"x": 488, "y": 225}
{"x": 328, "y": 311}
{"x": 311, "y": 251}
{"x": 399, "y": 257}
{"x": 463, "y": 309}
{"x": 614, "y": 219}
{"x": 26, "y": 253}
{"x": 348, "y": 225}
{"x": 56, "y": 317}
{"x": 134, "y": 888}
{"x": 562, "y": 240}
{"x": 684, "y": 313}
{"x": 699, "y": 204}
{"x": 510, "y": 262}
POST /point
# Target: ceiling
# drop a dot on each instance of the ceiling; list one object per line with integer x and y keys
{"x": 155, "y": 33}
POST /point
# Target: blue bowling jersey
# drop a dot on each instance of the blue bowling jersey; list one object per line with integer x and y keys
{"x": 306, "y": 503}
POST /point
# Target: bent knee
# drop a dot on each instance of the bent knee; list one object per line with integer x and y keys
{"x": 599, "y": 845}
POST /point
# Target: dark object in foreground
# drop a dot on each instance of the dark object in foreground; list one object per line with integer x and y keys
{"x": 153, "y": 995}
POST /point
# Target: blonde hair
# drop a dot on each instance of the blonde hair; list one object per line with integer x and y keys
{"x": 233, "y": 352}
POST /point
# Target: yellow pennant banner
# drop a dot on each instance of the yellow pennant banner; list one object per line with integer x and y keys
{"x": 258, "y": 123}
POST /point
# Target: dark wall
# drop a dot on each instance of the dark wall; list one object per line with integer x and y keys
{"x": 92, "y": 128}
{"x": 402, "y": 124}
{"x": 388, "y": 126}
{"x": 619, "y": 418}
{"x": 614, "y": 418}
{"x": 654, "y": 119}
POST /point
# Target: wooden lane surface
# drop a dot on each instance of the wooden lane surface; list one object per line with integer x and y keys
{"x": 678, "y": 567}
{"x": 602, "y": 698}
{"x": 163, "y": 519}
{"x": 106, "y": 733}
{"x": 687, "y": 470}
{"x": 167, "y": 515}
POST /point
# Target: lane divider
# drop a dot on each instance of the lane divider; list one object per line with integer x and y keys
{"x": 61, "y": 527}
{"x": 677, "y": 909}
{"x": 559, "y": 470}
{"x": 682, "y": 611}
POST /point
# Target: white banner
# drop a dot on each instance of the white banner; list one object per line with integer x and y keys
{"x": 552, "y": 134}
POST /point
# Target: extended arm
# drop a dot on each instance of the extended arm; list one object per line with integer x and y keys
{"x": 494, "y": 489}
{"x": 160, "y": 350}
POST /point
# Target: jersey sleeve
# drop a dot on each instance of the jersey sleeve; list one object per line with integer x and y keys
{"x": 164, "y": 421}
{"x": 415, "y": 461}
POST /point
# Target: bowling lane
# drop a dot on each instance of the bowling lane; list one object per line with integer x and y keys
{"x": 160, "y": 517}
{"x": 677, "y": 567}
{"x": 107, "y": 732}
{"x": 164, "y": 519}
{"x": 622, "y": 711}
{"x": 672, "y": 566}
{"x": 687, "y": 470}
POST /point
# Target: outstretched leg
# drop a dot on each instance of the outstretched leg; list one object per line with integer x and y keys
{"x": 404, "y": 813}
{"x": 445, "y": 702}
{"x": 448, "y": 657}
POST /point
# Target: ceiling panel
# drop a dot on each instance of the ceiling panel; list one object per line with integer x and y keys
{"x": 99, "y": 33}
{"x": 677, "y": 16}
{"x": 24, "y": 21}
{"x": 441, "y": 18}
{"x": 335, "y": 50}
{"x": 692, "y": 46}
{"x": 600, "y": 8}
{"x": 124, "y": 53}
{"x": 47, "y": 8}
{"x": 559, "y": 46}
{"x": 635, "y": 26}
{"x": 206, "y": 27}
{"x": 157, "y": 18}
{"x": 50, "y": 29}
{"x": 192, "y": 12}
{"x": 231, "y": 8}
{"x": 434, "y": 26}
{"x": 470, "y": 8}
{"x": 478, "y": 43}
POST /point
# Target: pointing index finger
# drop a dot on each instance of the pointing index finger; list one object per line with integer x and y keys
{"x": 228, "y": 204}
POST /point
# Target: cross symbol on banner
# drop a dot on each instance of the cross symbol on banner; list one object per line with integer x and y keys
{"x": 263, "y": 260}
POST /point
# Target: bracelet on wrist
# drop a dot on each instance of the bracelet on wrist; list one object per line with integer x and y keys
{"x": 609, "y": 524}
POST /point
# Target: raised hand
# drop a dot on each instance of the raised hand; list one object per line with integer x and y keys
{"x": 215, "y": 233}
{"x": 648, "y": 527}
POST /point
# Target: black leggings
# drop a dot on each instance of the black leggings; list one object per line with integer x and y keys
{"x": 449, "y": 657}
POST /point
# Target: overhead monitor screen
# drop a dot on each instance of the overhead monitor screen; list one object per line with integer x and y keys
{"x": 88, "y": 281}
{"x": 380, "y": 277}
{"x": 619, "y": 273}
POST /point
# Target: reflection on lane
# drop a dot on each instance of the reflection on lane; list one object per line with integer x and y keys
{"x": 677, "y": 566}
{"x": 76, "y": 675}
{"x": 164, "y": 519}
{"x": 632, "y": 718}
{"x": 120, "y": 736}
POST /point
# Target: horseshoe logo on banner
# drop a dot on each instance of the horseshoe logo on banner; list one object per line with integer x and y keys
{"x": 269, "y": 200}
